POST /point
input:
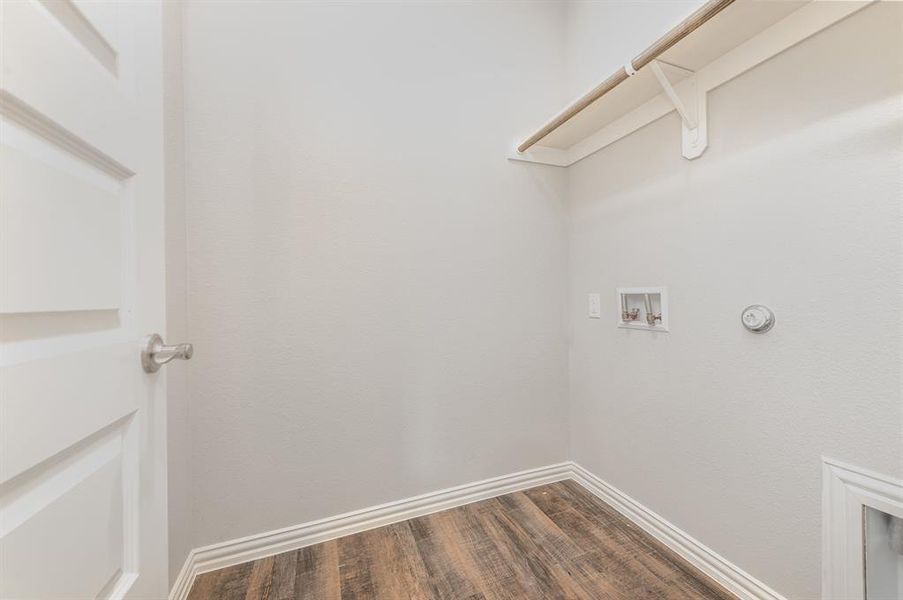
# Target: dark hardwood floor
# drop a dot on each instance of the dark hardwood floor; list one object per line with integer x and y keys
{"x": 552, "y": 541}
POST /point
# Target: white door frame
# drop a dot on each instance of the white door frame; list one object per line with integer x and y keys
{"x": 846, "y": 490}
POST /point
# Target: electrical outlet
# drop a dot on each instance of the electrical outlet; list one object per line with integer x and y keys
{"x": 595, "y": 306}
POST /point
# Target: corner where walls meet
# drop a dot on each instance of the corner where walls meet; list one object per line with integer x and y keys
{"x": 382, "y": 305}
{"x": 376, "y": 296}
{"x": 796, "y": 204}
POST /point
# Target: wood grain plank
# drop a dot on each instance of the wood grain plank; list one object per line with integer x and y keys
{"x": 451, "y": 570}
{"x": 317, "y": 573}
{"x": 626, "y": 565}
{"x": 383, "y": 563}
{"x": 585, "y": 571}
{"x": 619, "y": 527}
{"x": 232, "y": 583}
{"x": 567, "y": 495}
{"x": 614, "y": 524}
{"x": 260, "y": 579}
{"x": 204, "y": 586}
{"x": 284, "y": 570}
{"x": 552, "y": 541}
{"x": 399, "y": 569}
{"x": 355, "y": 578}
{"x": 499, "y": 579}
{"x": 550, "y": 498}
{"x": 527, "y": 559}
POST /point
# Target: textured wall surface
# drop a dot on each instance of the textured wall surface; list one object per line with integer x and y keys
{"x": 602, "y": 35}
{"x": 377, "y": 296}
{"x": 796, "y": 204}
{"x": 380, "y": 302}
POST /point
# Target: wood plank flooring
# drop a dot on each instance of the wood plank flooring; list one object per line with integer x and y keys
{"x": 552, "y": 541}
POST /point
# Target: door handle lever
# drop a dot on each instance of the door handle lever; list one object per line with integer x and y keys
{"x": 155, "y": 354}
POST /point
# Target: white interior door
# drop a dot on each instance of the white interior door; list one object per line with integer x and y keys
{"x": 82, "y": 427}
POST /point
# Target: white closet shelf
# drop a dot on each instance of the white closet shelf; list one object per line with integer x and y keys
{"x": 718, "y": 42}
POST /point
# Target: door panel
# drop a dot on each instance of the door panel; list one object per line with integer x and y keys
{"x": 81, "y": 269}
{"x": 82, "y": 438}
{"x": 88, "y": 391}
{"x": 52, "y": 71}
{"x": 90, "y": 485}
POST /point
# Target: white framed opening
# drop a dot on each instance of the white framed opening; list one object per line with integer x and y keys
{"x": 643, "y": 308}
{"x": 855, "y": 504}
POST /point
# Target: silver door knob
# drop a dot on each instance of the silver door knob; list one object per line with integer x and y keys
{"x": 155, "y": 354}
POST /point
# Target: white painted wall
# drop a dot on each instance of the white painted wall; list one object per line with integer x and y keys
{"x": 796, "y": 204}
{"x": 377, "y": 297}
{"x": 602, "y": 35}
{"x": 378, "y": 301}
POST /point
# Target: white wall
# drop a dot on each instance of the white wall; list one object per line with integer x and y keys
{"x": 602, "y": 35}
{"x": 378, "y": 301}
{"x": 377, "y": 297}
{"x": 796, "y": 204}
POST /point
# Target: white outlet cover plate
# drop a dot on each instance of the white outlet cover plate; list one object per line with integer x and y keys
{"x": 594, "y": 302}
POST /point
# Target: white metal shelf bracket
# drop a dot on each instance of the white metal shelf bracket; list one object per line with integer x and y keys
{"x": 690, "y": 102}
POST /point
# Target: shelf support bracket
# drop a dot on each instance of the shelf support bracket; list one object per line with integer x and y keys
{"x": 690, "y": 103}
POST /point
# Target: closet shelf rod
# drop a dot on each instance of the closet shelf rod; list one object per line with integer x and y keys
{"x": 679, "y": 32}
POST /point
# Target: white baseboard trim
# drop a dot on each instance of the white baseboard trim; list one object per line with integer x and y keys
{"x": 233, "y": 552}
{"x": 730, "y": 576}
{"x": 253, "y": 547}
